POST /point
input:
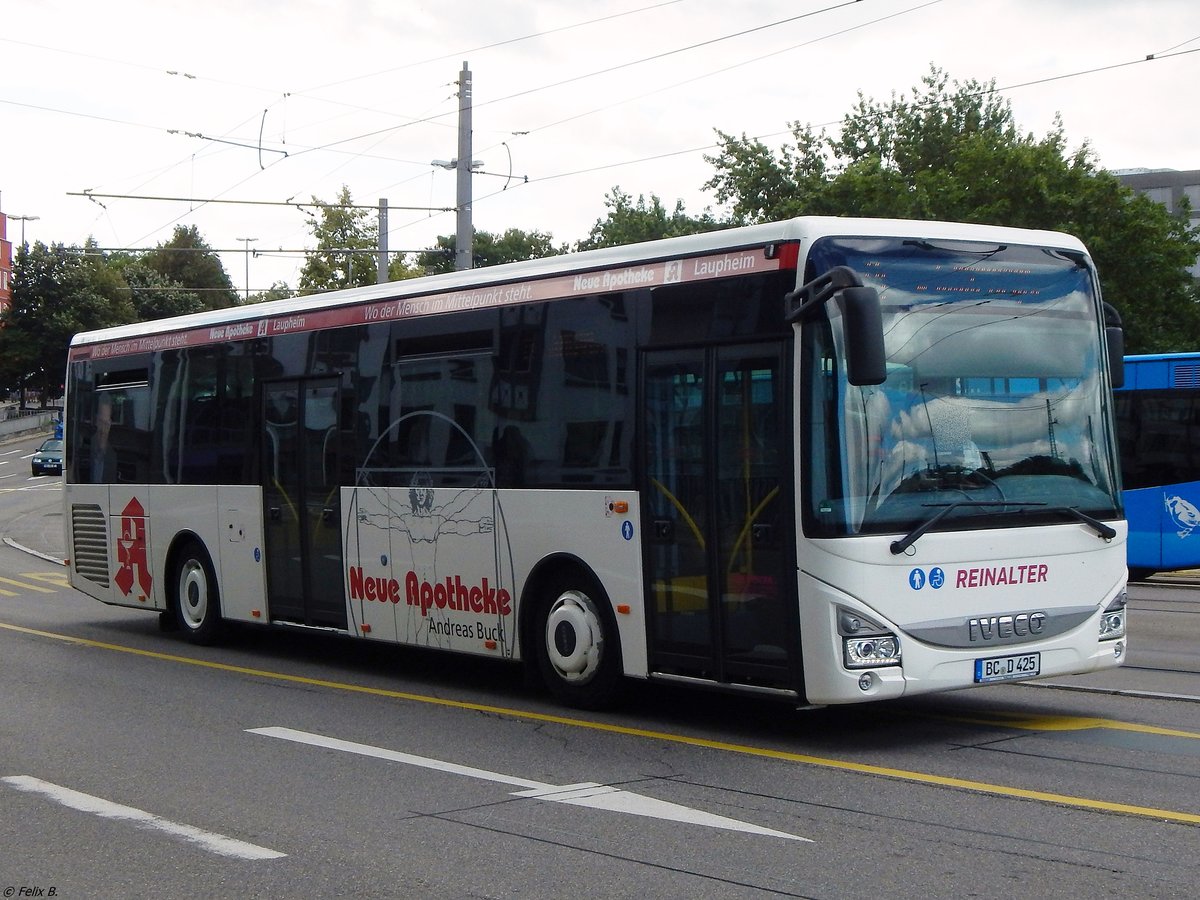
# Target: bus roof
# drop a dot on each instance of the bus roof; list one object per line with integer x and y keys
{"x": 1163, "y": 357}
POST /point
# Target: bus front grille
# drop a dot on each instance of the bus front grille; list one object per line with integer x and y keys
{"x": 89, "y": 534}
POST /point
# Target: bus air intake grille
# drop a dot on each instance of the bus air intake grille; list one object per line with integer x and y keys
{"x": 89, "y": 534}
{"x": 1187, "y": 375}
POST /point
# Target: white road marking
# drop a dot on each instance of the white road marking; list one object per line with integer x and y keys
{"x": 589, "y": 794}
{"x": 208, "y": 840}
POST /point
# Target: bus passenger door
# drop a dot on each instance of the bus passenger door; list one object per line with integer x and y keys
{"x": 301, "y": 466}
{"x": 716, "y": 461}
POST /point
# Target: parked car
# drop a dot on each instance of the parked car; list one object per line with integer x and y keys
{"x": 48, "y": 457}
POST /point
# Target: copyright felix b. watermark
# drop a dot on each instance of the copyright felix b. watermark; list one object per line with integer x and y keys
{"x": 29, "y": 890}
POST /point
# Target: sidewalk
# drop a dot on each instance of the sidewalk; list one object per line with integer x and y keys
{"x": 39, "y": 532}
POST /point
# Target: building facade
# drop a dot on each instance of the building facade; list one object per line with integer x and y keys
{"x": 1170, "y": 188}
{"x": 6, "y": 258}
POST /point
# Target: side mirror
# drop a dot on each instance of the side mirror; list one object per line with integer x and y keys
{"x": 1114, "y": 336}
{"x": 866, "y": 359}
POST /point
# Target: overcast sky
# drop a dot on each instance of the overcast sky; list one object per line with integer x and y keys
{"x": 259, "y": 101}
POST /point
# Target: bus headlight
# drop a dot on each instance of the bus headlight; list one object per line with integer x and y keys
{"x": 869, "y": 652}
{"x": 865, "y": 643}
{"x": 1112, "y": 622}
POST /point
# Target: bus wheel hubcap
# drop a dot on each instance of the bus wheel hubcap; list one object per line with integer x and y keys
{"x": 193, "y": 593}
{"x": 574, "y": 637}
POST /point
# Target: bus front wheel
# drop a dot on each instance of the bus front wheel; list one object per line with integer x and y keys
{"x": 196, "y": 598}
{"x": 578, "y": 652}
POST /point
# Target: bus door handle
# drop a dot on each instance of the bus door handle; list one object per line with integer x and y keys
{"x": 327, "y": 514}
{"x": 664, "y": 530}
{"x": 761, "y": 533}
{"x": 276, "y": 513}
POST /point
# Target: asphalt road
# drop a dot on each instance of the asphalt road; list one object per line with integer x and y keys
{"x": 288, "y": 765}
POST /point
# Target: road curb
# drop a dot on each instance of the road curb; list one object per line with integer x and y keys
{"x": 39, "y": 554}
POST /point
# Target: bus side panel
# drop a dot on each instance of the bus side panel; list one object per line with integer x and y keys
{"x": 429, "y": 566}
{"x": 244, "y": 580}
{"x": 368, "y": 557}
{"x": 590, "y": 526}
{"x": 1179, "y": 509}
{"x": 445, "y": 567}
{"x": 1144, "y": 513}
{"x": 1156, "y": 414}
{"x": 119, "y": 537}
{"x": 125, "y": 553}
{"x": 172, "y": 510}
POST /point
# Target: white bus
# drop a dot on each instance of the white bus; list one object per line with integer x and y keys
{"x": 829, "y": 460}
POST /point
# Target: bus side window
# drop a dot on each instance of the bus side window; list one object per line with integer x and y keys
{"x": 102, "y": 465}
{"x": 513, "y": 455}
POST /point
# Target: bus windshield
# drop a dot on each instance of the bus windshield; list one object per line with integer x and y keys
{"x": 994, "y": 401}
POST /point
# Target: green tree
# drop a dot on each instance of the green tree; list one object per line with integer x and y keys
{"x": 954, "y": 152}
{"x": 487, "y": 249}
{"x": 277, "y": 291}
{"x": 57, "y": 291}
{"x": 628, "y": 222}
{"x": 403, "y": 267}
{"x": 187, "y": 261}
{"x": 347, "y": 239}
{"x": 152, "y": 295}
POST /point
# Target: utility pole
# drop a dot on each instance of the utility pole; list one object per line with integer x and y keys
{"x": 247, "y": 241}
{"x": 464, "y": 238}
{"x": 383, "y": 243}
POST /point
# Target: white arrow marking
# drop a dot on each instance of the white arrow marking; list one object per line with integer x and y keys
{"x": 589, "y": 794}
{"x": 209, "y": 840}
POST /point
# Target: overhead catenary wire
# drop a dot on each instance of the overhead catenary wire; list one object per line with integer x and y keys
{"x": 686, "y": 151}
{"x": 991, "y": 90}
{"x": 317, "y": 204}
{"x": 261, "y": 147}
{"x": 647, "y": 158}
{"x": 607, "y": 70}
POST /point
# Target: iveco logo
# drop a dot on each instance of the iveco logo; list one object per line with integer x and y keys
{"x": 996, "y": 628}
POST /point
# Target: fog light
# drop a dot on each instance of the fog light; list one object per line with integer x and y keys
{"x": 866, "y": 681}
{"x": 1118, "y": 649}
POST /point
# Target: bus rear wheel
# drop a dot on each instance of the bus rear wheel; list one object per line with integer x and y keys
{"x": 195, "y": 596}
{"x": 578, "y": 652}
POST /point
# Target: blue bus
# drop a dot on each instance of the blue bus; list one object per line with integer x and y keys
{"x": 1158, "y": 427}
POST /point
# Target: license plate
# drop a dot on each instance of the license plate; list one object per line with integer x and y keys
{"x": 1007, "y": 668}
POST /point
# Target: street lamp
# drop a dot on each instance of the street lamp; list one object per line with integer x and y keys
{"x": 247, "y": 242}
{"x": 23, "y": 220}
{"x": 452, "y": 164}
{"x": 465, "y": 232}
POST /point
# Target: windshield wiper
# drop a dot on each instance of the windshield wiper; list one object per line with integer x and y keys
{"x": 898, "y": 547}
{"x": 922, "y": 244}
{"x": 1105, "y": 531}
{"x": 911, "y": 538}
